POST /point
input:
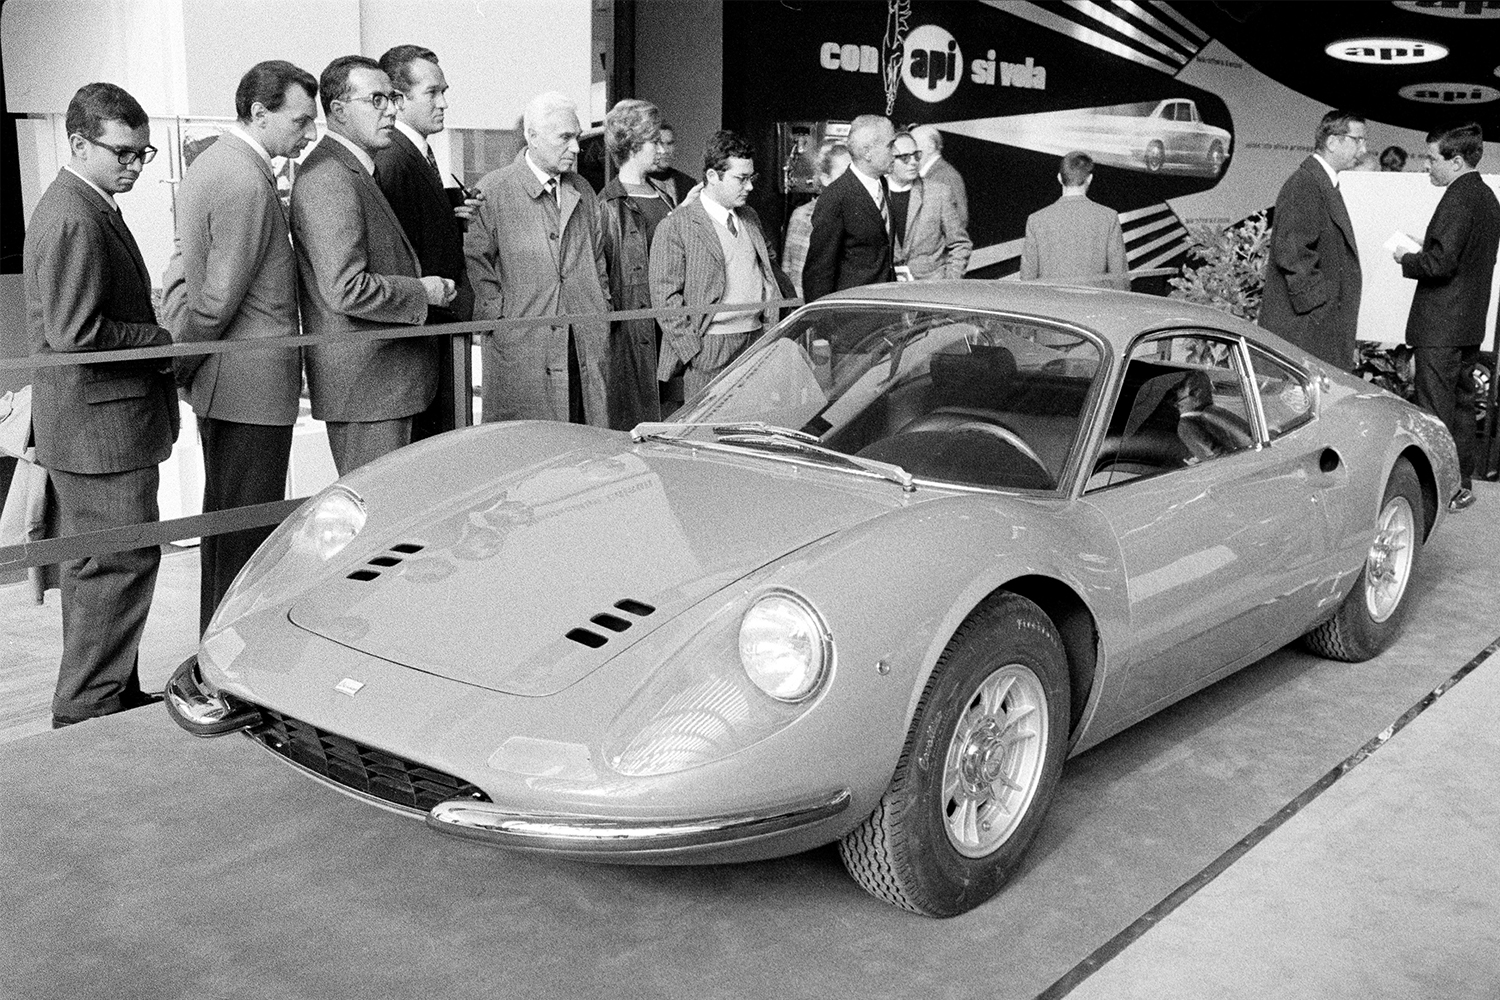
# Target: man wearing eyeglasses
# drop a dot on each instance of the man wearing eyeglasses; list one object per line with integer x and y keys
{"x": 101, "y": 429}
{"x": 358, "y": 271}
{"x": 708, "y": 252}
{"x": 930, "y": 240}
{"x": 1313, "y": 280}
{"x": 233, "y": 276}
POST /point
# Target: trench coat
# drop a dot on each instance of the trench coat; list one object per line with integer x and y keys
{"x": 529, "y": 255}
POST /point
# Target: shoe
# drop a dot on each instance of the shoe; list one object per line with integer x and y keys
{"x": 1462, "y": 500}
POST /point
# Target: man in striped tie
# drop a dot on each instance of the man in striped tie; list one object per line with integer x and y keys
{"x": 851, "y": 236}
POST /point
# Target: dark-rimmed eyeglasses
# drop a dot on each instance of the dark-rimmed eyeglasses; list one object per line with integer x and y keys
{"x": 1351, "y": 135}
{"x": 124, "y": 155}
{"x": 907, "y": 157}
{"x": 379, "y": 101}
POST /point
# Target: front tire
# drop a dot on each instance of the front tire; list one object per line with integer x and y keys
{"x": 1156, "y": 156}
{"x": 979, "y": 767}
{"x": 1370, "y": 616}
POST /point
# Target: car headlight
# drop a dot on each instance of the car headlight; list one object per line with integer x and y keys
{"x": 331, "y": 524}
{"x": 784, "y": 646}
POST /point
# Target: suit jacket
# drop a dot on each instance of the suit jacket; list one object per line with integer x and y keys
{"x": 532, "y": 256}
{"x": 1075, "y": 238}
{"x": 849, "y": 245}
{"x": 937, "y": 245}
{"x": 233, "y": 276}
{"x": 421, "y": 204}
{"x": 687, "y": 269}
{"x": 1454, "y": 268}
{"x": 358, "y": 271}
{"x": 945, "y": 173}
{"x": 1312, "y": 286}
{"x": 87, "y": 289}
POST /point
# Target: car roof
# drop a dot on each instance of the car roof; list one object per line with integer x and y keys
{"x": 1116, "y": 316}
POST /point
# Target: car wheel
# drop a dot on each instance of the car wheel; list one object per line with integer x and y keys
{"x": 1481, "y": 376}
{"x": 1156, "y": 156}
{"x": 1216, "y": 157}
{"x": 978, "y": 769}
{"x": 1371, "y": 613}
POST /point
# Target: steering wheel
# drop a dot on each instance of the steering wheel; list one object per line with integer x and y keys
{"x": 947, "y": 420}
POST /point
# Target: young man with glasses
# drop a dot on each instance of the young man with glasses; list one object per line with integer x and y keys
{"x": 101, "y": 429}
{"x": 711, "y": 251}
{"x": 1313, "y": 279}
{"x": 358, "y": 271}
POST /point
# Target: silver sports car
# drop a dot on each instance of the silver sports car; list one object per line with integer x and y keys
{"x": 913, "y": 549}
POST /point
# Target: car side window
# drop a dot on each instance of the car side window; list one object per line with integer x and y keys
{"x": 1286, "y": 397}
{"x": 1182, "y": 402}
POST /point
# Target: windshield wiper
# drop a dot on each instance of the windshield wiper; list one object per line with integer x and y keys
{"x": 803, "y": 442}
{"x": 795, "y": 440}
{"x": 658, "y": 428}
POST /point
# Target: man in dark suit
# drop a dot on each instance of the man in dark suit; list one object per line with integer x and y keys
{"x": 408, "y": 173}
{"x": 1453, "y": 270}
{"x": 358, "y": 271}
{"x": 536, "y": 248}
{"x": 851, "y": 235}
{"x": 101, "y": 429}
{"x": 709, "y": 251}
{"x": 233, "y": 277}
{"x": 1312, "y": 287}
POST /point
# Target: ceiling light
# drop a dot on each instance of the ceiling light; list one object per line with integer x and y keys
{"x": 1450, "y": 93}
{"x": 1386, "y": 51}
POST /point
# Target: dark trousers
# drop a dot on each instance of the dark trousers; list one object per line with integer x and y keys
{"x": 105, "y": 599}
{"x": 360, "y": 442}
{"x": 439, "y": 416}
{"x": 1445, "y": 388}
{"x": 243, "y": 464}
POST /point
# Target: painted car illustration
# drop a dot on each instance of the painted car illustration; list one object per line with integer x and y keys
{"x": 872, "y": 586}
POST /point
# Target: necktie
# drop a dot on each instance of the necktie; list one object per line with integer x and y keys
{"x": 885, "y": 212}
{"x": 551, "y": 187}
{"x": 733, "y": 229}
{"x": 432, "y": 161}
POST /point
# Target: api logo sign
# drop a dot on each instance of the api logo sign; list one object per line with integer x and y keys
{"x": 932, "y": 64}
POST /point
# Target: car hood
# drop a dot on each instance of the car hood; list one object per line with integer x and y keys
{"x": 568, "y": 546}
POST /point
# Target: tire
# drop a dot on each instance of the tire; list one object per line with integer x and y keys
{"x": 1216, "y": 158}
{"x": 1370, "y": 616}
{"x": 1156, "y": 155}
{"x": 985, "y": 750}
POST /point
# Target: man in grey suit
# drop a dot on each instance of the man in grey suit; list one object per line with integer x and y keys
{"x": 934, "y": 168}
{"x": 233, "y": 277}
{"x": 930, "y": 239}
{"x": 710, "y": 251}
{"x": 1313, "y": 281}
{"x": 1075, "y": 239}
{"x": 101, "y": 429}
{"x": 536, "y": 248}
{"x": 358, "y": 271}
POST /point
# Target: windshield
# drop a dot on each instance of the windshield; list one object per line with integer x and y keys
{"x": 971, "y": 398}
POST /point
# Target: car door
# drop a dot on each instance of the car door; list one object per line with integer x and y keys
{"x": 1218, "y": 533}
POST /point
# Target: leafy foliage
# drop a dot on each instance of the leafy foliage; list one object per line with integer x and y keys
{"x": 1233, "y": 266}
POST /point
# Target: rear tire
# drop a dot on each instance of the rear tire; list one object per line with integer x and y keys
{"x": 980, "y": 765}
{"x": 1370, "y": 617}
{"x": 1156, "y": 156}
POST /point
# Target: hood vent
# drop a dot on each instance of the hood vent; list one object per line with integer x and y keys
{"x": 387, "y": 559}
{"x": 606, "y": 622}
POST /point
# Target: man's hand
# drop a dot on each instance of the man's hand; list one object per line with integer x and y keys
{"x": 470, "y": 206}
{"x": 440, "y": 291}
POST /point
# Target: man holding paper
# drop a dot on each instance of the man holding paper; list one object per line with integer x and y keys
{"x": 1453, "y": 270}
{"x": 1313, "y": 279}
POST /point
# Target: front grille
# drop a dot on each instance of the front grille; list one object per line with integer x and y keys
{"x": 359, "y": 767}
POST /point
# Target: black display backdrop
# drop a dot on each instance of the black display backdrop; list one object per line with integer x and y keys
{"x": 822, "y": 60}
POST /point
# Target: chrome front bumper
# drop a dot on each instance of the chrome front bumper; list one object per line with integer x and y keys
{"x": 199, "y": 709}
{"x": 600, "y": 838}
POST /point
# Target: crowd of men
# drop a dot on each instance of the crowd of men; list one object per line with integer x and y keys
{"x": 375, "y": 238}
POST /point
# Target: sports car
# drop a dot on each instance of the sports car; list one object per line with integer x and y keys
{"x": 873, "y": 585}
